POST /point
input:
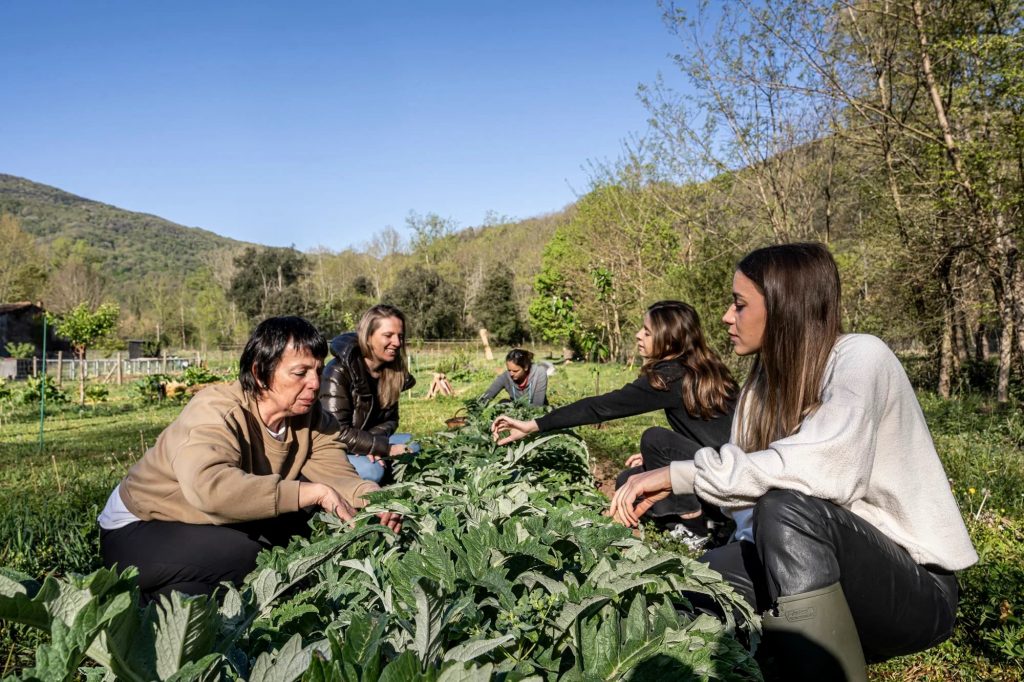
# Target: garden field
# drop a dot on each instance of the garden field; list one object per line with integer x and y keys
{"x": 506, "y": 569}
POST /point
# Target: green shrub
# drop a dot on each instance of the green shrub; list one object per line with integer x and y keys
{"x": 96, "y": 393}
{"x": 21, "y": 351}
{"x": 152, "y": 387}
{"x": 31, "y": 391}
{"x": 458, "y": 366}
{"x": 197, "y": 374}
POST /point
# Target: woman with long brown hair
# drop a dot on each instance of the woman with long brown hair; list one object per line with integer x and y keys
{"x": 680, "y": 375}
{"x": 361, "y": 387}
{"x": 847, "y": 532}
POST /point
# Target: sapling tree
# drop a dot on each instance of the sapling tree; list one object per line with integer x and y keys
{"x": 83, "y": 326}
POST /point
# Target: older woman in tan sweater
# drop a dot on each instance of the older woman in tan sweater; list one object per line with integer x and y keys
{"x": 241, "y": 469}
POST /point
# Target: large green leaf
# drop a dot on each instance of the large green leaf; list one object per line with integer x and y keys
{"x": 186, "y": 630}
{"x": 406, "y": 668}
{"x": 467, "y": 651}
{"x": 284, "y": 665}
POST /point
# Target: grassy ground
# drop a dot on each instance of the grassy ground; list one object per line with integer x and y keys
{"x": 51, "y": 497}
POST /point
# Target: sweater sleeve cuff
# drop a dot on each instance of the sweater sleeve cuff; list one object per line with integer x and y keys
{"x": 682, "y": 474}
{"x": 287, "y": 497}
{"x": 357, "y": 500}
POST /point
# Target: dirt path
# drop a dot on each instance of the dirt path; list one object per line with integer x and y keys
{"x": 604, "y": 473}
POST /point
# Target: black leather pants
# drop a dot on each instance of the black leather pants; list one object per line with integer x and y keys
{"x": 803, "y": 543}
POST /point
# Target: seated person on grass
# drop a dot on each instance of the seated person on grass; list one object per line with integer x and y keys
{"x": 361, "y": 387}
{"x": 242, "y": 468}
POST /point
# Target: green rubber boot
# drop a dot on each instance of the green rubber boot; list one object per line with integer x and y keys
{"x": 813, "y": 637}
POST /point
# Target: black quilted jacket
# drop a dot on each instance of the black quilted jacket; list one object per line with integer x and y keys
{"x": 349, "y": 393}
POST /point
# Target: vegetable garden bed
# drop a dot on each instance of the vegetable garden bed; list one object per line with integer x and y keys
{"x": 505, "y": 570}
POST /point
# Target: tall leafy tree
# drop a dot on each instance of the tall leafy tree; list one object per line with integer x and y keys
{"x": 22, "y": 275}
{"x": 267, "y": 282}
{"x": 431, "y": 303}
{"x": 83, "y": 326}
{"x": 495, "y": 306}
{"x": 602, "y": 268}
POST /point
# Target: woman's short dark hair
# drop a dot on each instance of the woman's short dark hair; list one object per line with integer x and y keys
{"x": 267, "y": 344}
{"x": 520, "y": 357}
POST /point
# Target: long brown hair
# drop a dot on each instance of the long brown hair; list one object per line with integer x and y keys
{"x": 802, "y": 297}
{"x": 392, "y": 374}
{"x": 708, "y": 387}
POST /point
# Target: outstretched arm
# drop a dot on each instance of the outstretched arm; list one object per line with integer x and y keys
{"x": 516, "y": 428}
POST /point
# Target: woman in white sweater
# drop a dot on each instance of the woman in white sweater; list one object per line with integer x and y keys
{"x": 847, "y": 532}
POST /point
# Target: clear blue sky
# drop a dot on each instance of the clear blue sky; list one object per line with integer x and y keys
{"x": 319, "y": 123}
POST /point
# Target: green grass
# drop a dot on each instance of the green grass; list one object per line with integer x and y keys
{"x": 51, "y": 497}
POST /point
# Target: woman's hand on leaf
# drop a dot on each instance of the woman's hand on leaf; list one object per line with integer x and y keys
{"x": 638, "y": 494}
{"x": 517, "y": 429}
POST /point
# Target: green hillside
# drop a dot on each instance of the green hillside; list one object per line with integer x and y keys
{"x": 133, "y": 245}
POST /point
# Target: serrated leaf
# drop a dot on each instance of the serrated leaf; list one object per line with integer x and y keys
{"x": 466, "y": 672}
{"x": 467, "y": 651}
{"x": 206, "y": 669}
{"x": 405, "y": 668}
{"x": 429, "y": 621}
{"x": 285, "y": 665}
{"x": 362, "y": 643}
{"x": 186, "y": 629}
{"x": 571, "y": 612}
{"x": 531, "y": 578}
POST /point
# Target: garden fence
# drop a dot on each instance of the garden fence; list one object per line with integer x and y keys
{"x": 105, "y": 369}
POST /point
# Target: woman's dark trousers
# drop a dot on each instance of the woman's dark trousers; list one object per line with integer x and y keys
{"x": 660, "y": 447}
{"x": 193, "y": 558}
{"x": 803, "y": 544}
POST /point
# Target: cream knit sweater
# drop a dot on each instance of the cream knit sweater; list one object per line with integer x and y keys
{"x": 867, "y": 449}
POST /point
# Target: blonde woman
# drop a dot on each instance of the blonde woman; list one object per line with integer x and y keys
{"x": 847, "y": 535}
{"x": 361, "y": 387}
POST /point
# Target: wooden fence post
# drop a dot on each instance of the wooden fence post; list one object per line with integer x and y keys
{"x": 120, "y": 374}
{"x": 60, "y": 367}
{"x": 163, "y": 362}
{"x": 35, "y": 367}
{"x": 487, "y": 346}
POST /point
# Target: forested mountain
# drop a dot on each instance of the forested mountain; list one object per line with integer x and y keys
{"x": 130, "y": 246}
{"x": 187, "y": 286}
{"x": 890, "y": 131}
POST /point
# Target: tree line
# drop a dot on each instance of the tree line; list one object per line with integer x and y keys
{"x": 891, "y": 130}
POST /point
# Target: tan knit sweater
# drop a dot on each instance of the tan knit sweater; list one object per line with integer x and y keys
{"x": 216, "y": 463}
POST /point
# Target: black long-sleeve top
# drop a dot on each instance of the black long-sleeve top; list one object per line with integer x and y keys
{"x": 640, "y": 397}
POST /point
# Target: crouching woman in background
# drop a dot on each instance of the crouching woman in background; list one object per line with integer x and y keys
{"x": 241, "y": 469}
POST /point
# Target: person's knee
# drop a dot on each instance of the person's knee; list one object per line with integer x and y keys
{"x": 367, "y": 470}
{"x": 624, "y": 475}
{"x": 780, "y": 512}
{"x": 653, "y": 439}
{"x": 650, "y": 439}
{"x": 373, "y": 471}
